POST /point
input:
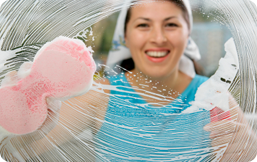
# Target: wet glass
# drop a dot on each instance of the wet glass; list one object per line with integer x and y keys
{"x": 126, "y": 121}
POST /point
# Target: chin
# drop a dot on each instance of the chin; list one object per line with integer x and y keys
{"x": 156, "y": 75}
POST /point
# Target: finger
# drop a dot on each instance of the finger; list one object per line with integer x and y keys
{"x": 53, "y": 104}
{"x": 224, "y": 125}
{"x": 10, "y": 79}
{"x": 54, "y": 107}
{"x": 52, "y": 119}
{"x": 225, "y": 139}
{"x": 50, "y": 122}
{"x": 24, "y": 69}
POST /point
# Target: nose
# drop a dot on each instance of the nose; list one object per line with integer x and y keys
{"x": 158, "y": 36}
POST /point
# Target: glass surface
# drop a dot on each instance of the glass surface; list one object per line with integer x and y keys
{"x": 137, "y": 117}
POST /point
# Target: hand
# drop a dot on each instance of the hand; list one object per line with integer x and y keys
{"x": 52, "y": 118}
{"x": 53, "y": 106}
{"x": 24, "y": 142}
{"x": 240, "y": 139}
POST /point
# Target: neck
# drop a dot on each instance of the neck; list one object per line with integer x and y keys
{"x": 171, "y": 86}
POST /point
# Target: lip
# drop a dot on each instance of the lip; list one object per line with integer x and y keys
{"x": 154, "y": 59}
{"x": 158, "y": 49}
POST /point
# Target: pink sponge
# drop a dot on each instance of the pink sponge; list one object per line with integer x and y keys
{"x": 61, "y": 69}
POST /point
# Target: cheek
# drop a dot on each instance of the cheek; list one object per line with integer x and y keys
{"x": 179, "y": 39}
{"x": 135, "y": 40}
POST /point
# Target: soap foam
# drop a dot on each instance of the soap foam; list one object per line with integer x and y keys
{"x": 214, "y": 92}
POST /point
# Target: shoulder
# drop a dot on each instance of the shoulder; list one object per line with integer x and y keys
{"x": 200, "y": 79}
{"x": 196, "y": 83}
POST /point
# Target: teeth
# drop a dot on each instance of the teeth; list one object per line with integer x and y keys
{"x": 157, "y": 54}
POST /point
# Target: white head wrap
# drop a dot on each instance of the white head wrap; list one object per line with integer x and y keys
{"x": 120, "y": 52}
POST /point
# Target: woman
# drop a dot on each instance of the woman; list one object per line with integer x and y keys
{"x": 157, "y": 35}
{"x": 138, "y": 118}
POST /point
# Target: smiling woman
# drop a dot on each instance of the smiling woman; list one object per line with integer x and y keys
{"x": 139, "y": 115}
{"x": 152, "y": 126}
{"x": 157, "y": 41}
{"x": 157, "y": 35}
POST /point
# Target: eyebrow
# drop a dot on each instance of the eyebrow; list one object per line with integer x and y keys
{"x": 172, "y": 17}
{"x": 143, "y": 19}
{"x": 147, "y": 19}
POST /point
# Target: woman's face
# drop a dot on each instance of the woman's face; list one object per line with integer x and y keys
{"x": 156, "y": 35}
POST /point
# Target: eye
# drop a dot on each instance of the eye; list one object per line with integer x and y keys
{"x": 143, "y": 25}
{"x": 171, "y": 25}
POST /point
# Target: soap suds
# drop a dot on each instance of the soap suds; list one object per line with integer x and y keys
{"x": 214, "y": 92}
{"x": 24, "y": 23}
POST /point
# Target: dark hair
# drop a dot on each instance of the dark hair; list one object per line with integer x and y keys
{"x": 178, "y": 3}
{"x": 129, "y": 64}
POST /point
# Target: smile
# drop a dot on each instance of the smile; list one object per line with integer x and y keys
{"x": 157, "y": 54}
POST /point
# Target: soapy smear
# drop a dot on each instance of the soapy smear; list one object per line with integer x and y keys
{"x": 25, "y": 26}
{"x": 214, "y": 92}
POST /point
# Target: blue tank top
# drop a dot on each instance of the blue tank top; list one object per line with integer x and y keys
{"x": 133, "y": 130}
